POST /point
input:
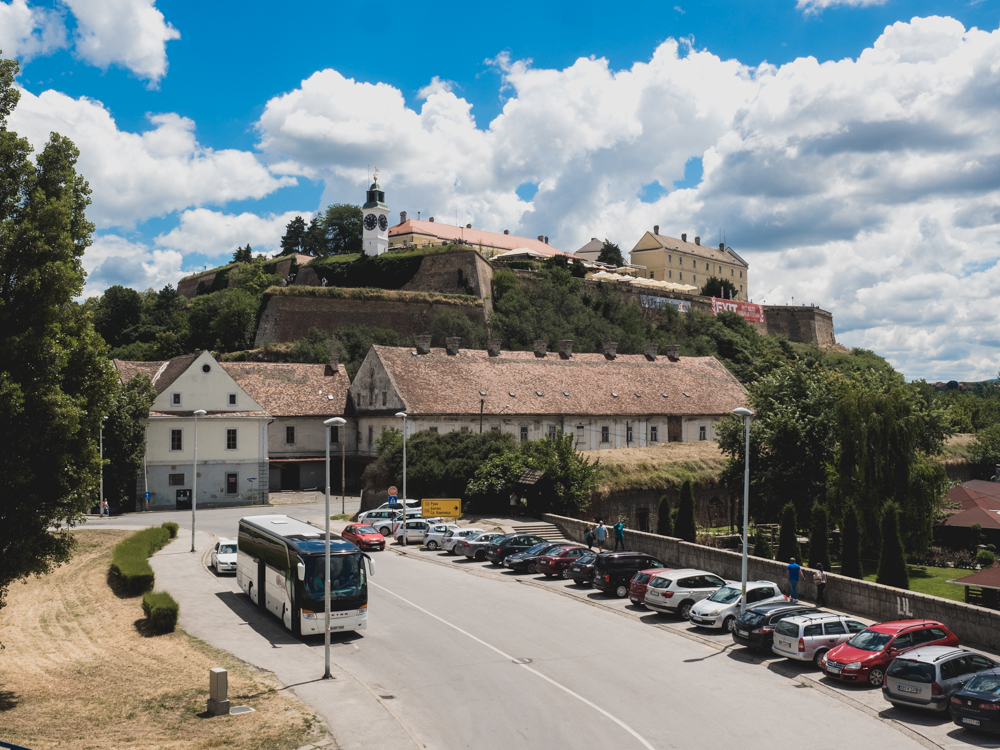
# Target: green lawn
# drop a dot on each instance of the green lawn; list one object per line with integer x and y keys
{"x": 933, "y": 581}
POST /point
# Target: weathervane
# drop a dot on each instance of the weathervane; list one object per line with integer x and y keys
{"x": 376, "y": 174}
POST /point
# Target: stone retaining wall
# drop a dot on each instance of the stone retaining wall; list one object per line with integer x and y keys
{"x": 973, "y": 625}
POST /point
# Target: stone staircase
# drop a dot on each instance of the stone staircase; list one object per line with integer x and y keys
{"x": 547, "y": 531}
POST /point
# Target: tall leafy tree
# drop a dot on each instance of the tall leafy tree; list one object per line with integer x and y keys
{"x": 342, "y": 227}
{"x": 118, "y": 311}
{"x": 892, "y": 560}
{"x": 850, "y": 544}
{"x": 314, "y": 239}
{"x": 611, "y": 254}
{"x": 719, "y": 288}
{"x": 243, "y": 254}
{"x": 819, "y": 536}
{"x": 788, "y": 535}
{"x": 55, "y": 379}
{"x": 664, "y": 525}
{"x": 685, "y": 526}
{"x": 125, "y": 441}
{"x": 293, "y": 240}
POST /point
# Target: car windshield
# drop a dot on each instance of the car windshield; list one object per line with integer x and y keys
{"x": 985, "y": 684}
{"x": 365, "y": 530}
{"x": 915, "y": 671}
{"x": 587, "y": 559}
{"x": 640, "y": 578}
{"x": 869, "y": 640}
{"x": 659, "y": 583}
{"x": 750, "y": 619}
{"x": 227, "y": 549}
{"x": 725, "y": 595}
{"x": 347, "y": 576}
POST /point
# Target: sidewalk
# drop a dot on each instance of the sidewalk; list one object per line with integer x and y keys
{"x": 213, "y": 609}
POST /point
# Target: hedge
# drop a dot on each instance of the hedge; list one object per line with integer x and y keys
{"x": 130, "y": 559}
{"x": 171, "y": 527}
{"x": 161, "y": 611}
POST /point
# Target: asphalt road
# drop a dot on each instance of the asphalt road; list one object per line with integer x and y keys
{"x": 464, "y": 656}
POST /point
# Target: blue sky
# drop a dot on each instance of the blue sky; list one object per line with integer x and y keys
{"x": 204, "y": 126}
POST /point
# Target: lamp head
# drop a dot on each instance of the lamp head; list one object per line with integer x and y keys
{"x": 742, "y": 411}
{"x": 401, "y": 414}
{"x": 200, "y": 412}
{"x": 335, "y": 421}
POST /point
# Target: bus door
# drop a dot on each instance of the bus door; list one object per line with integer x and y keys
{"x": 262, "y": 584}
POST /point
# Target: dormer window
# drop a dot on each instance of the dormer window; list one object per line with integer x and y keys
{"x": 175, "y": 399}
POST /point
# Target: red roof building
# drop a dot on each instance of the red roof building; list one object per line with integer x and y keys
{"x": 416, "y": 233}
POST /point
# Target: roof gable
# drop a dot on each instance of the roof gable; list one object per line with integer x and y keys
{"x": 199, "y": 388}
{"x": 650, "y": 241}
{"x": 290, "y": 389}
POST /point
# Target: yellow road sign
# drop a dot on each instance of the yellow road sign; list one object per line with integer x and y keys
{"x": 446, "y": 507}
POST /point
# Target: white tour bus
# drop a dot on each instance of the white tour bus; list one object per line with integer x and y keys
{"x": 280, "y": 564}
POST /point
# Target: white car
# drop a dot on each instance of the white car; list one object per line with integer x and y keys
{"x": 436, "y": 534}
{"x": 223, "y": 558}
{"x": 416, "y": 530}
{"x": 383, "y": 519}
{"x": 721, "y": 609}
{"x": 458, "y": 535}
{"x": 675, "y": 592}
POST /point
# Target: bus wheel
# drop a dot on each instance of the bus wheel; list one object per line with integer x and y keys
{"x": 250, "y": 591}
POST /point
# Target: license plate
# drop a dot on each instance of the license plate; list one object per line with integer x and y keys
{"x": 743, "y": 633}
{"x": 786, "y": 644}
{"x": 907, "y": 689}
{"x": 833, "y": 670}
{"x": 973, "y": 722}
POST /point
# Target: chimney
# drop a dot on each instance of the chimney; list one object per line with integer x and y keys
{"x": 431, "y": 220}
{"x": 540, "y": 346}
{"x": 656, "y": 230}
{"x": 722, "y": 249}
{"x": 546, "y": 242}
{"x": 506, "y": 231}
{"x": 684, "y": 238}
{"x": 610, "y": 349}
{"x": 650, "y": 351}
{"x": 467, "y": 226}
{"x": 332, "y": 364}
{"x": 673, "y": 352}
{"x": 424, "y": 343}
{"x": 541, "y": 238}
{"x": 697, "y": 240}
{"x": 565, "y": 348}
{"x": 402, "y": 220}
{"x": 452, "y": 344}
{"x": 493, "y": 346}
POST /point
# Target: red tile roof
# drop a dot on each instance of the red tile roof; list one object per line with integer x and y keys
{"x": 438, "y": 383}
{"x": 990, "y": 489}
{"x": 161, "y": 373}
{"x": 975, "y": 508}
{"x": 292, "y": 390}
{"x": 989, "y": 578}
{"x": 474, "y": 237}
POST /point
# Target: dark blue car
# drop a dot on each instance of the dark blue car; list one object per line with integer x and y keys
{"x": 977, "y": 705}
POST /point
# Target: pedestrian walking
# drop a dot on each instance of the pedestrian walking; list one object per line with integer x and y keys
{"x": 820, "y": 579}
{"x": 620, "y": 535}
{"x": 588, "y": 536}
{"x": 794, "y": 570}
{"x": 513, "y": 505}
{"x": 105, "y": 511}
{"x": 600, "y": 534}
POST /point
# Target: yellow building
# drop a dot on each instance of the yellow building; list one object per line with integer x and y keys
{"x": 683, "y": 262}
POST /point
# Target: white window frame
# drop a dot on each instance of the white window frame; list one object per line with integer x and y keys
{"x": 175, "y": 399}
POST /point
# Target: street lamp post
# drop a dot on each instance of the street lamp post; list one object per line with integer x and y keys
{"x": 747, "y": 416}
{"x": 326, "y": 578}
{"x": 402, "y": 536}
{"x": 100, "y": 500}
{"x": 340, "y": 422}
{"x": 194, "y": 491}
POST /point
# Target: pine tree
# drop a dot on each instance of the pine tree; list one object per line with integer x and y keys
{"x": 819, "y": 536}
{"x": 788, "y": 541}
{"x": 850, "y": 544}
{"x": 294, "y": 238}
{"x": 762, "y": 545}
{"x": 685, "y": 528}
{"x": 664, "y": 527}
{"x": 892, "y": 560}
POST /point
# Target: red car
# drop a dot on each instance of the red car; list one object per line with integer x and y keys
{"x": 365, "y": 537}
{"x": 868, "y": 654}
{"x": 557, "y": 562}
{"x": 640, "y": 581}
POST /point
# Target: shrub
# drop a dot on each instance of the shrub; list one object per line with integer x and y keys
{"x": 664, "y": 527}
{"x": 172, "y": 529}
{"x": 762, "y": 544}
{"x": 161, "y": 612}
{"x": 891, "y": 562}
{"x": 850, "y": 555}
{"x": 985, "y": 558}
{"x": 788, "y": 540}
{"x": 685, "y": 527}
{"x": 130, "y": 559}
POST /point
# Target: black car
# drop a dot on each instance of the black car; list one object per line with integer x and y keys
{"x": 582, "y": 570}
{"x": 977, "y": 705}
{"x": 614, "y": 570}
{"x": 526, "y": 560}
{"x": 755, "y": 627}
{"x": 508, "y": 545}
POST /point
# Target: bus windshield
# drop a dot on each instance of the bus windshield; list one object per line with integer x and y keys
{"x": 347, "y": 577}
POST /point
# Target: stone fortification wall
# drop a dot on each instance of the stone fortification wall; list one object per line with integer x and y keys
{"x": 460, "y": 272}
{"x": 807, "y": 325}
{"x": 289, "y": 318}
{"x": 188, "y": 286}
{"x": 973, "y": 625}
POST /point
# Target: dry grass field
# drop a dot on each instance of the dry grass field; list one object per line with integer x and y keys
{"x": 76, "y": 673}
{"x": 657, "y": 467}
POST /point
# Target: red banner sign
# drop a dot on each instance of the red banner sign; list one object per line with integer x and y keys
{"x": 746, "y": 310}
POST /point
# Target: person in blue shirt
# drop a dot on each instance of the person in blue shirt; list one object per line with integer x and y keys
{"x": 600, "y": 534}
{"x": 794, "y": 569}
{"x": 619, "y": 535}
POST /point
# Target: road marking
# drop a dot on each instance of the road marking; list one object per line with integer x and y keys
{"x": 508, "y": 657}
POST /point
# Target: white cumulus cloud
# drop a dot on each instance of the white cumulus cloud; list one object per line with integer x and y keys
{"x": 216, "y": 234}
{"x": 113, "y": 260}
{"x": 27, "y": 31}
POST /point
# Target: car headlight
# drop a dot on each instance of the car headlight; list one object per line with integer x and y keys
{"x": 853, "y": 665}
{"x": 714, "y": 613}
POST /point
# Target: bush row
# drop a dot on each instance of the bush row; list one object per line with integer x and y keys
{"x": 130, "y": 559}
{"x": 161, "y": 611}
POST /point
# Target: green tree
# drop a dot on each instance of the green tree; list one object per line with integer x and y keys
{"x": 850, "y": 544}
{"x": 125, "y": 441}
{"x": 685, "y": 527}
{"x": 253, "y": 278}
{"x": 343, "y": 229}
{"x": 892, "y": 560}
{"x": 719, "y": 288}
{"x": 294, "y": 238}
{"x": 611, "y": 254}
{"x": 985, "y": 451}
{"x": 236, "y": 324}
{"x": 55, "y": 379}
{"x": 762, "y": 544}
{"x": 819, "y": 536}
{"x": 314, "y": 239}
{"x": 450, "y": 321}
{"x": 243, "y": 254}
{"x": 118, "y": 310}
{"x": 788, "y": 535}
{"x": 664, "y": 527}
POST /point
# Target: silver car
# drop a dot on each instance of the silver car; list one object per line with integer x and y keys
{"x": 475, "y": 548}
{"x": 809, "y": 637}
{"x": 458, "y": 536}
{"x": 927, "y": 677}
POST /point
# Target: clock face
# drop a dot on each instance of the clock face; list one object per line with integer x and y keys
{"x": 383, "y": 223}
{"x": 371, "y": 221}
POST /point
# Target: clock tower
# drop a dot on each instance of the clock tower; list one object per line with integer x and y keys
{"x": 376, "y": 220}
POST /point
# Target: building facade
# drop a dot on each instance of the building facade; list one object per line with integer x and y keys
{"x": 430, "y": 233}
{"x": 375, "y": 221}
{"x": 682, "y": 262}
